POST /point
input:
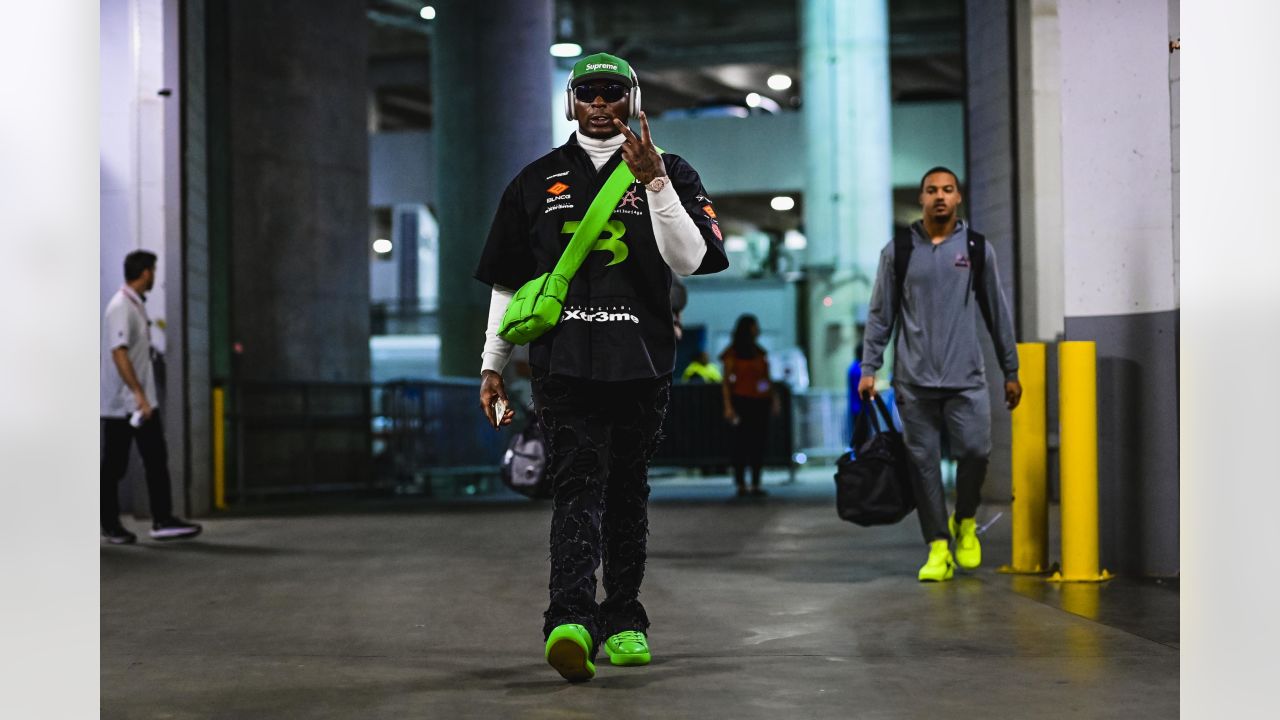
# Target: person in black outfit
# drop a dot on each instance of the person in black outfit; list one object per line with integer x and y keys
{"x": 748, "y": 399}
{"x": 602, "y": 376}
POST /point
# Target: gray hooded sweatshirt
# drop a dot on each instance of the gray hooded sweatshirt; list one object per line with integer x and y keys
{"x": 937, "y": 344}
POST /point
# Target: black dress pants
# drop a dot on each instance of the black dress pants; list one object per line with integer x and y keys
{"x": 750, "y": 438}
{"x": 118, "y": 435}
{"x": 600, "y": 438}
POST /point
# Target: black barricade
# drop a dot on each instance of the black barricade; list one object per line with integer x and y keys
{"x": 300, "y": 438}
{"x": 697, "y": 435}
{"x": 427, "y": 437}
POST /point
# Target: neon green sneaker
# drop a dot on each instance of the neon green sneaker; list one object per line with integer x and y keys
{"x": 569, "y": 652}
{"x": 629, "y": 647}
{"x": 968, "y": 549}
{"x": 940, "y": 566}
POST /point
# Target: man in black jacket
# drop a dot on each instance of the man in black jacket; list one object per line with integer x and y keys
{"x": 602, "y": 376}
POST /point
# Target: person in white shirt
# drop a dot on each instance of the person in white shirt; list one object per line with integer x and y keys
{"x": 130, "y": 408}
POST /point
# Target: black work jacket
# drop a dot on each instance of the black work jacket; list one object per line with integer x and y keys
{"x": 617, "y": 322}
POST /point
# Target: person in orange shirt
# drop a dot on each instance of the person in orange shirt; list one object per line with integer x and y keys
{"x": 748, "y": 399}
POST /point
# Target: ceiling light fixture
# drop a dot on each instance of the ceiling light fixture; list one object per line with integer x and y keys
{"x": 427, "y": 13}
{"x": 566, "y": 50}
{"x": 782, "y": 203}
{"x": 779, "y": 81}
{"x": 382, "y": 246}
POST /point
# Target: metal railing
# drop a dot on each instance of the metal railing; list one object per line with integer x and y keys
{"x": 822, "y": 427}
{"x": 289, "y": 438}
{"x": 432, "y": 437}
{"x": 427, "y": 437}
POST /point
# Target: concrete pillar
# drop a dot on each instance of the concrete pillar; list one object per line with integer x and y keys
{"x": 561, "y": 127}
{"x": 197, "y": 372}
{"x": 1175, "y": 141}
{"x": 141, "y": 199}
{"x": 848, "y": 204}
{"x": 404, "y": 232}
{"x": 1039, "y": 181}
{"x": 1120, "y": 268}
{"x": 491, "y": 69}
{"x": 1039, "y": 153}
{"x": 117, "y": 236}
{"x": 169, "y": 91}
{"x": 990, "y": 193}
{"x": 299, "y": 167}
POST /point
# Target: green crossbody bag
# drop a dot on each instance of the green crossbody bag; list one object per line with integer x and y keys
{"x": 537, "y": 305}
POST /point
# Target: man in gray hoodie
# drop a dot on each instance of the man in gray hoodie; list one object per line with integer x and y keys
{"x": 939, "y": 377}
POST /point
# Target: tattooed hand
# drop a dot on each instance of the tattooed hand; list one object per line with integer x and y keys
{"x": 639, "y": 152}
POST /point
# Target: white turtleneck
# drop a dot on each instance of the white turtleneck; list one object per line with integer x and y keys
{"x": 600, "y": 150}
{"x": 679, "y": 243}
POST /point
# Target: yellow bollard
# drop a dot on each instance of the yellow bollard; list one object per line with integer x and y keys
{"x": 1078, "y": 409}
{"x": 1030, "y": 464}
{"x": 219, "y": 449}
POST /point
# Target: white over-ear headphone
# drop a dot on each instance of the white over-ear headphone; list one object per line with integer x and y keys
{"x": 633, "y": 97}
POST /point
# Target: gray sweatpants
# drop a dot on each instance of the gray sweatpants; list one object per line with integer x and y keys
{"x": 965, "y": 415}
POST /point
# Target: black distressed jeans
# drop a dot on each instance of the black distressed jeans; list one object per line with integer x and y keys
{"x": 600, "y": 438}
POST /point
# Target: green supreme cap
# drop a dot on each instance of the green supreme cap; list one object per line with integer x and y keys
{"x": 601, "y": 65}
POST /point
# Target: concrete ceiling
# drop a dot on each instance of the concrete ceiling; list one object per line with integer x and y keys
{"x": 689, "y": 54}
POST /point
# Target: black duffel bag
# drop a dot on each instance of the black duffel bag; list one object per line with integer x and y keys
{"x": 873, "y": 485}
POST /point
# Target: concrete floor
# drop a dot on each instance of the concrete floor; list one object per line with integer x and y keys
{"x": 766, "y": 609}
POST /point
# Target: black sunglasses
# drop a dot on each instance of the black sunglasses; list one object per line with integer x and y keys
{"x": 612, "y": 92}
